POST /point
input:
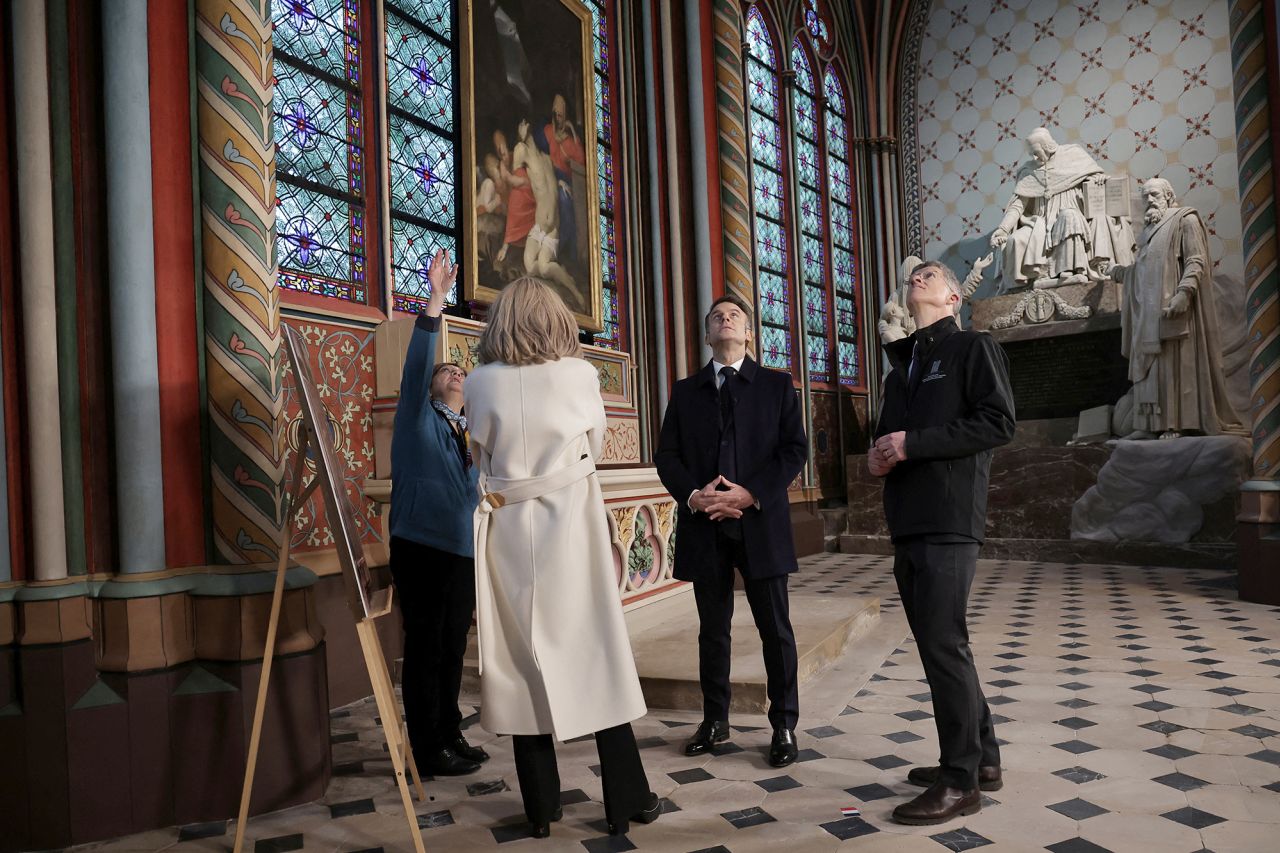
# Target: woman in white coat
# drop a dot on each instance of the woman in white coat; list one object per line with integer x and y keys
{"x": 555, "y": 659}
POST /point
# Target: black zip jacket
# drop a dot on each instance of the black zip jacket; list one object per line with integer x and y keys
{"x": 956, "y": 408}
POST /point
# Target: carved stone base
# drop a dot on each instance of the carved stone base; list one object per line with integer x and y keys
{"x": 1100, "y": 297}
{"x": 1039, "y": 306}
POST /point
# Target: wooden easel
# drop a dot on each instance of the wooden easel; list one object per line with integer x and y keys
{"x": 367, "y": 605}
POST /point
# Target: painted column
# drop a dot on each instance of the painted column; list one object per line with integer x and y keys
{"x": 243, "y": 351}
{"x": 131, "y": 266}
{"x": 177, "y": 349}
{"x": 39, "y": 323}
{"x": 1258, "y": 218}
{"x": 701, "y": 199}
{"x": 1259, "y": 579}
{"x": 66, "y": 291}
{"x": 735, "y": 181}
{"x": 648, "y": 19}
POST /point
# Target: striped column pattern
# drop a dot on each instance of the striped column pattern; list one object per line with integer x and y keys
{"x": 735, "y": 187}
{"x": 243, "y": 350}
{"x": 1258, "y": 217}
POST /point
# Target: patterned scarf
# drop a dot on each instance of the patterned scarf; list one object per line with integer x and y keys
{"x": 460, "y": 434}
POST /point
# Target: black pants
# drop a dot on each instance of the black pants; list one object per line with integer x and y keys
{"x": 437, "y": 594}
{"x": 626, "y": 789}
{"x": 934, "y": 580}
{"x": 771, "y": 610}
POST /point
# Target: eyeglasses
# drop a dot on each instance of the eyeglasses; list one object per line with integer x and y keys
{"x": 453, "y": 371}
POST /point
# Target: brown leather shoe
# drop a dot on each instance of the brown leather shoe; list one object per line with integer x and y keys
{"x": 989, "y": 778}
{"x": 938, "y": 804}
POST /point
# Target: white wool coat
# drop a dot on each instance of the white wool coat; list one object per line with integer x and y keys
{"x": 554, "y": 653}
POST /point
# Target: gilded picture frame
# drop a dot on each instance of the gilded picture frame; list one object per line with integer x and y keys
{"x": 529, "y": 170}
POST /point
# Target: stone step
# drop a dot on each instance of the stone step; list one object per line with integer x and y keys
{"x": 1205, "y": 555}
{"x": 664, "y": 640}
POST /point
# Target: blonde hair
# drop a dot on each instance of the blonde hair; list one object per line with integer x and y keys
{"x": 528, "y": 324}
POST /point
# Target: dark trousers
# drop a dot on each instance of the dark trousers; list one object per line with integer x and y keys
{"x": 626, "y": 789}
{"x": 771, "y": 610}
{"x": 934, "y": 580}
{"x": 437, "y": 595}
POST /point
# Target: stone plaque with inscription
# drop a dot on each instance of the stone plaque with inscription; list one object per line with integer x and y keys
{"x": 1060, "y": 376}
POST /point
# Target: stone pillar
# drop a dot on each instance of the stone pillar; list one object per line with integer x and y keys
{"x": 243, "y": 350}
{"x": 132, "y": 293}
{"x": 735, "y": 165}
{"x": 1260, "y": 498}
{"x": 36, "y": 253}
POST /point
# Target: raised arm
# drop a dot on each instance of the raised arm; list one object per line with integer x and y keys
{"x": 415, "y": 379}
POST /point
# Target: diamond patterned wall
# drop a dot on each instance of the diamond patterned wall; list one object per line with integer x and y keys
{"x": 1144, "y": 85}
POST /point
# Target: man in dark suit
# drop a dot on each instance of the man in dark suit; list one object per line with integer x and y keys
{"x": 947, "y": 405}
{"x": 732, "y": 441}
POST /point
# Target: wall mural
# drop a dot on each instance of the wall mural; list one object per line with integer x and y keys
{"x": 342, "y": 361}
{"x": 1143, "y": 85}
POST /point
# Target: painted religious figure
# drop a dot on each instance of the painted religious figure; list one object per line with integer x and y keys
{"x": 1169, "y": 325}
{"x": 1057, "y": 228}
{"x": 529, "y": 151}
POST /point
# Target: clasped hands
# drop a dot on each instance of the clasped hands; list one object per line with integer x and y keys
{"x": 887, "y": 451}
{"x": 720, "y": 504}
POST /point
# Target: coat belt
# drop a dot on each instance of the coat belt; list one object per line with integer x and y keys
{"x": 498, "y": 492}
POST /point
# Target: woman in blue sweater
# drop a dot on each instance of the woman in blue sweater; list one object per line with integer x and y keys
{"x": 433, "y": 498}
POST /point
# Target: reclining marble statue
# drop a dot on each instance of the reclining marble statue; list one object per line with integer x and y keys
{"x": 1169, "y": 325}
{"x": 1060, "y": 227}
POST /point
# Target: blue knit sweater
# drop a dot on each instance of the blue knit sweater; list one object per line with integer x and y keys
{"x": 433, "y": 496}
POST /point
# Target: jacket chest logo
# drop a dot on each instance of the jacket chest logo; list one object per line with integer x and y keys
{"x": 934, "y": 372}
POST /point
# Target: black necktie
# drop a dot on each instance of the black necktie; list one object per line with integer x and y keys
{"x": 731, "y": 527}
{"x": 726, "y": 398}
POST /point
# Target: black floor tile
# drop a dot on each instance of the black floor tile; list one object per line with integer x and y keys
{"x": 887, "y": 762}
{"x": 1180, "y": 781}
{"x": 607, "y": 844}
{"x": 1077, "y": 845}
{"x": 279, "y": 844}
{"x": 435, "y": 820}
{"x": 849, "y": 827}
{"x": 353, "y": 807}
{"x": 1171, "y": 752}
{"x": 685, "y": 777}
{"x": 212, "y": 829}
{"x": 479, "y": 789}
{"x": 1075, "y": 747}
{"x": 876, "y": 791}
{"x": 961, "y": 839}
{"x": 1079, "y": 774}
{"x": 778, "y": 783}
{"x": 1193, "y": 817}
{"x": 1078, "y": 809}
{"x": 753, "y": 816}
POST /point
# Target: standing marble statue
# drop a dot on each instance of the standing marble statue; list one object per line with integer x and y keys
{"x": 1046, "y": 237}
{"x": 1169, "y": 327}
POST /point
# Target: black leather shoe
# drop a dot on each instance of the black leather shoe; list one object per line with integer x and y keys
{"x": 646, "y": 815}
{"x": 472, "y": 753}
{"x": 704, "y": 740}
{"x": 989, "y": 778}
{"x": 446, "y": 762}
{"x": 542, "y": 830}
{"x": 783, "y": 749}
{"x": 939, "y": 804}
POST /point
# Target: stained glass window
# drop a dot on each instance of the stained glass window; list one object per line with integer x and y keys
{"x": 320, "y": 159}
{"x": 809, "y": 169}
{"x": 422, "y": 142}
{"x": 770, "y": 194}
{"x": 843, "y": 241}
{"x": 610, "y": 337}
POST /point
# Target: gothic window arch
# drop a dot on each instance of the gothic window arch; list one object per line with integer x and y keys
{"x": 769, "y": 194}
{"x": 844, "y": 245}
{"x": 331, "y": 193}
{"x": 322, "y": 210}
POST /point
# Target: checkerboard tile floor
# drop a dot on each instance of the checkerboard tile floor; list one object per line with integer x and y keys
{"x": 1139, "y": 710}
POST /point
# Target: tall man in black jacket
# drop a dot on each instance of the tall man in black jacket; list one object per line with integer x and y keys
{"x": 732, "y": 441}
{"x": 947, "y": 405}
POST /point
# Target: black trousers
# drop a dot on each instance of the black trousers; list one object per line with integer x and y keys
{"x": 626, "y": 788}
{"x": 770, "y": 608}
{"x": 934, "y": 580}
{"x": 437, "y": 594}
